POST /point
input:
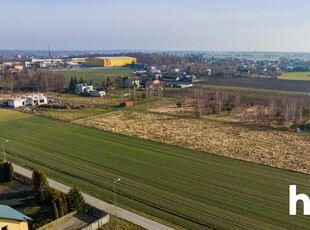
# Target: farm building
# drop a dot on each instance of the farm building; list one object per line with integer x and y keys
{"x": 12, "y": 219}
{"x": 83, "y": 88}
{"x": 110, "y": 61}
{"x": 31, "y": 100}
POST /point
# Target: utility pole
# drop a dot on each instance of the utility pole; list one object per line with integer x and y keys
{"x": 115, "y": 194}
{"x": 4, "y": 157}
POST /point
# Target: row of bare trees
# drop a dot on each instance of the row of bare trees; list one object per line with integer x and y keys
{"x": 33, "y": 80}
{"x": 203, "y": 102}
{"x": 293, "y": 110}
{"x": 285, "y": 109}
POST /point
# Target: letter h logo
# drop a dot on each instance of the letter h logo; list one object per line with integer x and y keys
{"x": 294, "y": 198}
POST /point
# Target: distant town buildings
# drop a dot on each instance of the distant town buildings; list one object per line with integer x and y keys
{"x": 44, "y": 63}
{"x": 110, "y": 61}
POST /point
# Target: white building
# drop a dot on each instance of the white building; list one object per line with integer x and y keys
{"x": 31, "y": 100}
{"x": 83, "y": 88}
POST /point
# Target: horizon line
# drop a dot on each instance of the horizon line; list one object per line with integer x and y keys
{"x": 158, "y": 50}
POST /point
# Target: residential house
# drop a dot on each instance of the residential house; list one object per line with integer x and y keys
{"x": 30, "y": 100}
{"x": 83, "y": 88}
{"x": 171, "y": 78}
{"x": 132, "y": 82}
{"x": 10, "y": 219}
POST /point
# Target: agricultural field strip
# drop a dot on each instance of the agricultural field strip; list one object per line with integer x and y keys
{"x": 304, "y": 76}
{"x": 257, "y": 84}
{"x": 72, "y": 114}
{"x": 96, "y": 75}
{"x": 161, "y": 168}
{"x": 247, "y": 89}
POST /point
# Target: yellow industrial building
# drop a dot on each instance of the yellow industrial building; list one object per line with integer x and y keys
{"x": 110, "y": 61}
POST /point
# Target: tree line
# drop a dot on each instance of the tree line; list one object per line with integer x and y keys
{"x": 32, "y": 81}
{"x": 285, "y": 110}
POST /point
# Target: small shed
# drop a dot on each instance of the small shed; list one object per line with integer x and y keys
{"x": 126, "y": 104}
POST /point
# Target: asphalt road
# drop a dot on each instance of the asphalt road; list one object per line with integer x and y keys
{"x": 102, "y": 205}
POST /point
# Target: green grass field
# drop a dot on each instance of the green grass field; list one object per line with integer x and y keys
{"x": 190, "y": 189}
{"x": 247, "y": 89}
{"x": 71, "y": 114}
{"x": 305, "y": 76}
{"x": 96, "y": 75}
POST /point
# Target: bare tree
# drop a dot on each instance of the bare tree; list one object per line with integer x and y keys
{"x": 300, "y": 110}
{"x": 221, "y": 98}
{"x": 237, "y": 98}
{"x": 200, "y": 101}
{"x": 271, "y": 105}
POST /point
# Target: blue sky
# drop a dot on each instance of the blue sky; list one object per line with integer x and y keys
{"x": 237, "y": 25}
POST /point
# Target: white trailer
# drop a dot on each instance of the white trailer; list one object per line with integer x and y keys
{"x": 94, "y": 93}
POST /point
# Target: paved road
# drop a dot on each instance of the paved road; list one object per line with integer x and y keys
{"x": 109, "y": 208}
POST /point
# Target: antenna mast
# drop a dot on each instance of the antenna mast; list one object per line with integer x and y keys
{"x": 49, "y": 51}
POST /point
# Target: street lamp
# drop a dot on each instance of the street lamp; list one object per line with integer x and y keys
{"x": 115, "y": 193}
{"x": 4, "y": 157}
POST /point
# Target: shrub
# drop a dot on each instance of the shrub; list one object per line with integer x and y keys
{"x": 41, "y": 187}
{"x": 75, "y": 200}
{"x": 9, "y": 172}
{"x": 143, "y": 95}
{"x": 65, "y": 204}
{"x": 229, "y": 106}
{"x": 278, "y": 114}
{"x": 54, "y": 210}
{"x": 60, "y": 208}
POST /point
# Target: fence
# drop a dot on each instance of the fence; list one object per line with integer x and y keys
{"x": 59, "y": 220}
{"x": 94, "y": 211}
{"x": 98, "y": 223}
